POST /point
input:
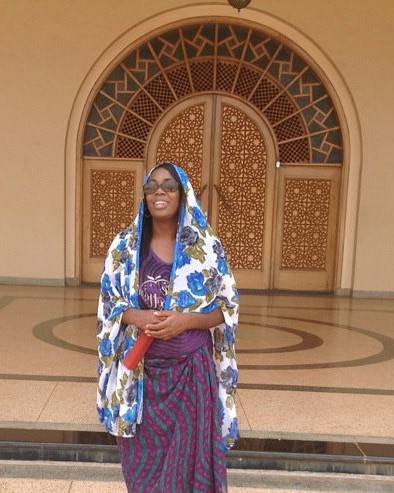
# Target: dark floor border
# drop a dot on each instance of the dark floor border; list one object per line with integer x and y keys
{"x": 241, "y": 386}
{"x": 324, "y": 390}
{"x": 47, "y": 378}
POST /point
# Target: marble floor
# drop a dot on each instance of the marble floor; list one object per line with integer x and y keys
{"x": 311, "y": 367}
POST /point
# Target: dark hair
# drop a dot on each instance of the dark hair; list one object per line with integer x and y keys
{"x": 146, "y": 235}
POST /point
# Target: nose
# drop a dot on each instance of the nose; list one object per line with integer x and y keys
{"x": 160, "y": 190}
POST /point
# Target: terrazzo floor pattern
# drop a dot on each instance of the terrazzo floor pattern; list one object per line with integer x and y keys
{"x": 311, "y": 367}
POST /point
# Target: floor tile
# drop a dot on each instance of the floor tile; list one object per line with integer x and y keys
{"x": 23, "y": 400}
{"x": 71, "y": 403}
{"x": 313, "y": 413}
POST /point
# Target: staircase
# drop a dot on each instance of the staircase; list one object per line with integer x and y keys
{"x": 82, "y": 461}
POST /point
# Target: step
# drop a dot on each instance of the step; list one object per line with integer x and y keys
{"x": 66, "y": 477}
{"x": 249, "y": 453}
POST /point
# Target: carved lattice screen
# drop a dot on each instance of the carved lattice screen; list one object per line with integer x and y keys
{"x": 112, "y": 203}
{"x": 182, "y": 143}
{"x": 305, "y": 224}
{"x": 242, "y": 190}
{"x": 221, "y": 58}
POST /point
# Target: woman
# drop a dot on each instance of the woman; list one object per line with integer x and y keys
{"x": 167, "y": 275}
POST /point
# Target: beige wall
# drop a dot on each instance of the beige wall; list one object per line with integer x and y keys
{"x": 48, "y": 50}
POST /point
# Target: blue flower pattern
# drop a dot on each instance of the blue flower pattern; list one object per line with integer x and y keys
{"x": 199, "y": 218}
{"x": 222, "y": 266}
{"x": 214, "y": 281}
{"x": 105, "y": 347}
{"x": 185, "y": 299}
{"x": 195, "y": 282}
{"x": 183, "y": 259}
{"x": 188, "y": 236}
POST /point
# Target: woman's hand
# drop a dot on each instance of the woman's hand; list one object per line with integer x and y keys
{"x": 140, "y": 318}
{"x": 167, "y": 325}
{"x": 170, "y": 323}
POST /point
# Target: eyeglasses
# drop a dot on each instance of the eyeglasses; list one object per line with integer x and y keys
{"x": 167, "y": 186}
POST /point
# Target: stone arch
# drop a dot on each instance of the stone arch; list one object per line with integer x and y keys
{"x": 104, "y": 64}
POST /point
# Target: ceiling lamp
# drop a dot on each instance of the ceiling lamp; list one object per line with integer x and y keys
{"x": 239, "y": 4}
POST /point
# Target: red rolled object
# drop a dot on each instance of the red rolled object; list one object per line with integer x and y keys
{"x": 136, "y": 353}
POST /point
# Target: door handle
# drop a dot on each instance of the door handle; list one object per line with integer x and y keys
{"x": 201, "y": 192}
{"x": 222, "y": 198}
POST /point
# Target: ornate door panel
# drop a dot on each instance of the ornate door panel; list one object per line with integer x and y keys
{"x": 222, "y": 144}
{"x": 305, "y": 246}
{"x": 112, "y": 190}
{"x": 183, "y": 137}
{"x": 243, "y": 185}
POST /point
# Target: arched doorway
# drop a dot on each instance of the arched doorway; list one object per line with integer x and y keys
{"x": 258, "y": 81}
{"x": 227, "y": 150}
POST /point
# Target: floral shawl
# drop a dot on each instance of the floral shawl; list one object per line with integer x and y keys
{"x": 200, "y": 281}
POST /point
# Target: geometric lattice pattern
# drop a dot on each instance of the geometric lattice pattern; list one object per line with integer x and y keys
{"x": 112, "y": 203}
{"x": 241, "y": 190}
{"x": 305, "y": 225}
{"x": 219, "y": 58}
{"x": 182, "y": 142}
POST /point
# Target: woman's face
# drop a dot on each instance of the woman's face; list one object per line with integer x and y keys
{"x": 163, "y": 204}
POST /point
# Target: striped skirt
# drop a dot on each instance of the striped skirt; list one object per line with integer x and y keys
{"x": 178, "y": 446}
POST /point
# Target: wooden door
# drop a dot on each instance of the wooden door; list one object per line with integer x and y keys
{"x": 228, "y": 153}
{"x": 112, "y": 189}
{"x": 278, "y": 224}
{"x": 306, "y": 232}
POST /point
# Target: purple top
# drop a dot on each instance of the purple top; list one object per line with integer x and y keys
{"x": 154, "y": 280}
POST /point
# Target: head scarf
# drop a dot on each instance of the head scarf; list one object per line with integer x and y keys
{"x": 200, "y": 281}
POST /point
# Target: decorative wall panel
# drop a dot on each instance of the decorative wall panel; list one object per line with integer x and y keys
{"x": 112, "y": 201}
{"x": 305, "y": 225}
{"x": 218, "y": 58}
{"x": 241, "y": 190}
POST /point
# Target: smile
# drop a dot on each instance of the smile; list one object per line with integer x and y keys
{"x": 160, "y": 204}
